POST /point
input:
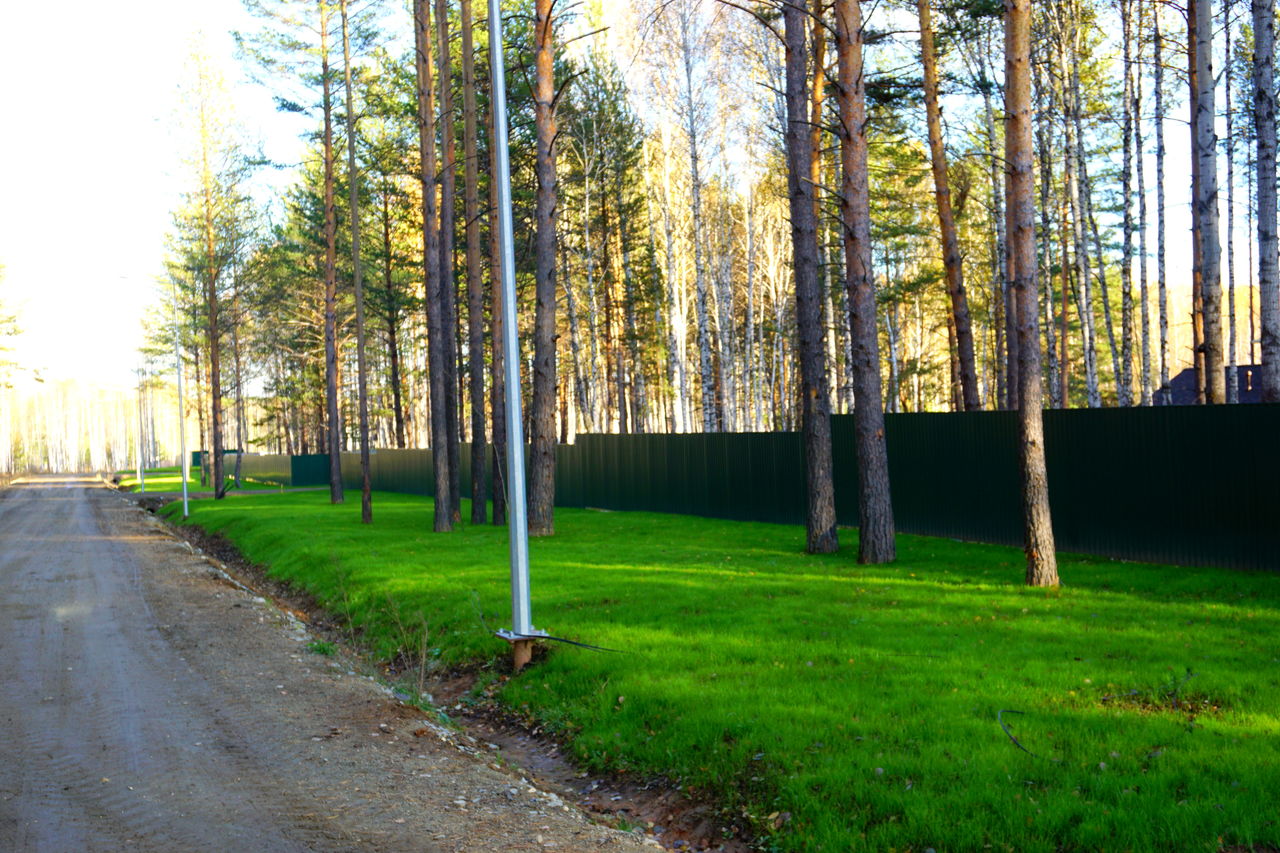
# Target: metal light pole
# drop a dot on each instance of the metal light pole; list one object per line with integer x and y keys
{"x": 142, "y": 473}
{"x": 522, "y": 633}
{"x": 185, "y": 463}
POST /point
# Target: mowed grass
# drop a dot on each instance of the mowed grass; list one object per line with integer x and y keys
{"x": 170, "y": 480}
{"x": 843, "y": 707}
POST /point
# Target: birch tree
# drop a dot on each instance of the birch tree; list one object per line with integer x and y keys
{"x": 1264, "y": 120}
{"x": 1205, "y": 196}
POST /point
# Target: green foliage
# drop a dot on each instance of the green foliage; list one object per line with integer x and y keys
{"x": 869, "y": 703}
{"x": 322, "y": 647}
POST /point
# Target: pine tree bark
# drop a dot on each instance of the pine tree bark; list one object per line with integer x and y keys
{"x": 442, "y": 505}
{"x": 475, "y": 281}
{"x": 205, "y": 461}
{"x": 542, "y": 467}
{"x": 334, "y": 444}
{"x": 353, "y": 190}
{"x": 817, "y": 123}
{"x": 1264, "y": 118}
{"x": 498, "y": 385}
{"x": 393, "y": 323}
{"x": 951, "y": 258}
{"x": 1045, "y": 165}
{"x": 820, "y": 516}
{"x": 1011, "y": 341}
{"x": 999, "y": 265}
{"x": 211, "y": 275}
{"x": 448, "y": 282}
{"x": 1042, "y": 569}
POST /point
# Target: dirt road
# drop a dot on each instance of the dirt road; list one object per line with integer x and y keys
{"x": 148, "y": 704}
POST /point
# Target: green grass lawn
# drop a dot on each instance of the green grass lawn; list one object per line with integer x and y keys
{"x": 170, "y": 480}
{"x": 863, "y": 702}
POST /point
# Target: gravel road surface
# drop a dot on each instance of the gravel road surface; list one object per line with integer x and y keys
{"x": 147, "y": 703}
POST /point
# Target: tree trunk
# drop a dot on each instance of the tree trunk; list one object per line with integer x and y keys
{"x": 1197, "y": 246}
{"x": 393, "y": 323}
{"x": 951, "y": 258}
{"x": 475, "y": 281}
{"x": 1205, "y": 202}
{"x": 639, "y": 400}
{"x": 498, "y": 385}
{"x": 1232, "y": 388}
{"x": 817, "y": 122}
{"x": 1077, "y": 189}
{"x": 1042, "y": 569}
{"x": 710, "y": 415}
{"x": 999, "y": 266}
{"x": 1264, "y": 118}
{"x": 1012, "y": 364}
{"x": 1099, "y": 262}
{"x": 1249, "y": 229}
{"x": 334, "y": 444}
{"x": 200, "y": 419}
{"x": 542, "y": 466}
{"x": 242, "y": 430}
{"x": 448, "y": 284}
{"x": 1045, "y": 162}
{"x": 362, "y": 376}
{"x": 1124, "y": 377}
{"x": 1204, "y": 205}
{"x": 212, "y": 273}
{"x": 1144, "y": 294}
{"x": 436, "y": 348}
{"x": 1165, "y": 393}
{"x": 820, "y": 516}
{"x": 1064, "y": 340}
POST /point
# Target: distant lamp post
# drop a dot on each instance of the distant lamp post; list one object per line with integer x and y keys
{"x": 141, "y": 442}
{"x": 522, "y": 633}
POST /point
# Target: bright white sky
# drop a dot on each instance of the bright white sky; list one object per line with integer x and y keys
{"x": 90, "y": 166}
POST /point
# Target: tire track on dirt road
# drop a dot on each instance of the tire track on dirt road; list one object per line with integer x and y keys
{"x": 147, "y": 705}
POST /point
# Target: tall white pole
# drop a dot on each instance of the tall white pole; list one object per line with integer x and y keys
{"x": 185, "y": 461}
{"x": 141, "y": 443}
{"x": 517, "y": 517}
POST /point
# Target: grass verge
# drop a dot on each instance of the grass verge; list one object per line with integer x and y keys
{"x": 170, "y": 480}
{"x": 932, "y": 703}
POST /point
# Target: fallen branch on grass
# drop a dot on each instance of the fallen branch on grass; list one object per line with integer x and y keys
{"x": 1000, "y": 720}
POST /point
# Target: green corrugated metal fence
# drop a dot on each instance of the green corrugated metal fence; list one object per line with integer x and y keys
{"x": 1182, "y": 485}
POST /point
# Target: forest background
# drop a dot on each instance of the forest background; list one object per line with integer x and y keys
{"x": 676, "y": 309}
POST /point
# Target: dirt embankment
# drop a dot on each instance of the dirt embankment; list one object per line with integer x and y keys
{"x": 656, "y": 808}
